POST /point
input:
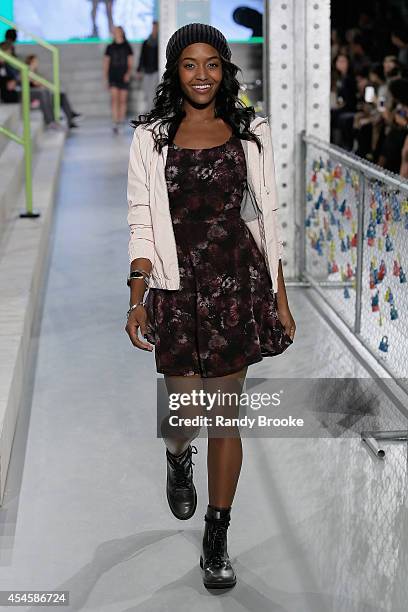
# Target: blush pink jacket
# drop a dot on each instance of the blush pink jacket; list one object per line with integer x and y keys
{"x": 149, "y": 219}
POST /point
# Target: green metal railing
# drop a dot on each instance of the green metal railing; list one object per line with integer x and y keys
{"x": 25, "y": 139}
{"x": 53, "y": 86}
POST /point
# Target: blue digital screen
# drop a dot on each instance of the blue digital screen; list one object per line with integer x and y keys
{"x": 91, "y": 20}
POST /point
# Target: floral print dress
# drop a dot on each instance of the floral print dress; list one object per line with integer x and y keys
{"x": 224, "y": 315}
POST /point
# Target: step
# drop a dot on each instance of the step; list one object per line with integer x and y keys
{"x": 12, "y": 169}
{"x": 9, "y": 118}
{"x": 90, "y": 109}
{"x": 23, "y": 263}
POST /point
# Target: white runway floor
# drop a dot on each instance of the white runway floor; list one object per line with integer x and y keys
{"x": 317, "y": 524}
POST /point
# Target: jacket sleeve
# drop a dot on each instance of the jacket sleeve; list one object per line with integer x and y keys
{"x": 270, "y": 171}
{"x": 141, "y": 241}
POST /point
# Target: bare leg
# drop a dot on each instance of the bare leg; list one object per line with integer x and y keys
{"x": 93, "y": 17}
{"x": 177, "y": 439}
{"x": 224, "y": 458}
{"x": 108, "y": 4}
{"x": 115, "y": 104}
{"x": 123, "y": 98}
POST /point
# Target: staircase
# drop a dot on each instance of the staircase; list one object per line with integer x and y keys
{"x": 24, "y": 247}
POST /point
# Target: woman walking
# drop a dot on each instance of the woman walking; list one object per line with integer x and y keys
{"x": 117, "y": 69}
{"x": 204, "y": 239}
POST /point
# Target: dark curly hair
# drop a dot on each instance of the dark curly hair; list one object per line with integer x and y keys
{"x": 168, "y": 110}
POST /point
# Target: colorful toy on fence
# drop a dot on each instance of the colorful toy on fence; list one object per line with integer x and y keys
{"x": 349, "y": 271}
{"x": 387, "y": 212}
{"x": 371, "y": 234}
{"x": 384, "y": 346}
{"x": 343, "y": 246}
{"x": 348, "y": 176}
{"x": 396, "y": 213}
{"x": 385, "y": 228}
{"x": 375, "y": 302}
{"x": 393, "y": 312}
{"x": 332, "y": 219}
{"x": 379, "y": 214}
{"x": 382, "y": 271}
{"x": 346, "y": 293}
{"x": 396, "y": 269}
{"x": 373, "y": 273}
{"x": 319, "y": 201}
{"x": 388, "y": 297}
{"x": 380, "y": 244}
{"x": 332, "y": 250}
{"x": 334, "y": 267}
{"x": 404, "y": 209}
{"x": 402, "y": 276}
{"x": 388, "y": 244}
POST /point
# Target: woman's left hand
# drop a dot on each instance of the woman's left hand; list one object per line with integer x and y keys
{"x": 287, "y": 321}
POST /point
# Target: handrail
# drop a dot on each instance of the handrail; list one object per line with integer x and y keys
{"x": 54, "y": 86}
{"x": 25, "y": 141}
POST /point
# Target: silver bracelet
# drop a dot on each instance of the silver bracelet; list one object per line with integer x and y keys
{"x": 133, "y": 307}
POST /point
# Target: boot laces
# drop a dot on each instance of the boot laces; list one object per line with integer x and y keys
{"x": 182, "y": 466}
{"x": 218, "y": 532}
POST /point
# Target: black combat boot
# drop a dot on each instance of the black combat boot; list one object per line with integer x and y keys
{"x": 217, "y": 570}
{"x": 181, "y": 492}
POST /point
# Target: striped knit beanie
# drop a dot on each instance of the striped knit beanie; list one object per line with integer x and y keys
{"x": 196, "y": 33}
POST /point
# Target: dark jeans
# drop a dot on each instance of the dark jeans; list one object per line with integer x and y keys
{"x": 341, "y": 128}
{"x": 46, "y": 99}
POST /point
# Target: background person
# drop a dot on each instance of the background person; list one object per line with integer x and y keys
{"x": 45, "y": 97}
{"x": 117, "y": 69}
{"x": 148, "y": 66}
{"x": 94, "y": 12}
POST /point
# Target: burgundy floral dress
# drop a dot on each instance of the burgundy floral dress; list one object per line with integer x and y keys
{"x": 224, "y": 315}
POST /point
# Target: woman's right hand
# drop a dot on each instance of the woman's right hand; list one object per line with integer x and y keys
{"x": 138, "y": 318}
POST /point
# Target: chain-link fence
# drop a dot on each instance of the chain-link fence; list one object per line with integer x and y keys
{"x": 356, "y": 247}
